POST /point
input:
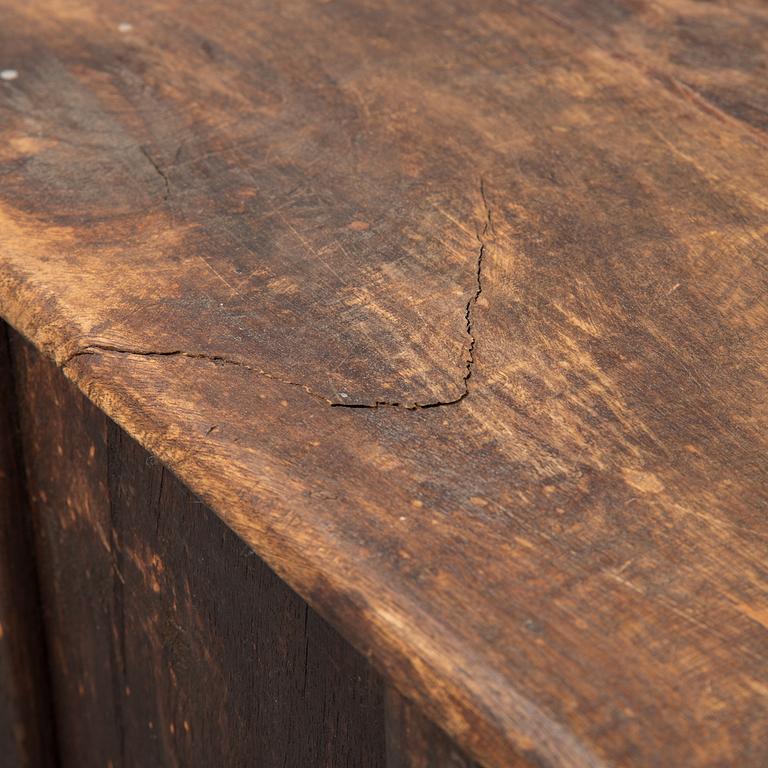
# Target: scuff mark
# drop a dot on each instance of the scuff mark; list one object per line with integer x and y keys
{"x": 666, "y": 80}
{"x": 702, "y": 102}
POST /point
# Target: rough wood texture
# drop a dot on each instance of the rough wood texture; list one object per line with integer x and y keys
{"x": 714, "y": 54}
{"x": 415, "y": 742}
{"x": 173, "y": 644}
{"x": 26, "y": 723}
{"x": 229, "y": 223}
{"x": 65, "y": 454}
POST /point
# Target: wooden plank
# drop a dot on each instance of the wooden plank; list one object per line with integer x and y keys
{"x": 227, "y": 229}
{"x": 26, "y": 723}
{"x": 173, "y": 643}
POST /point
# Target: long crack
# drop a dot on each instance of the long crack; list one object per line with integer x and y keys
{"x": 469, "y": 321}
{"x": 91, "y": 349}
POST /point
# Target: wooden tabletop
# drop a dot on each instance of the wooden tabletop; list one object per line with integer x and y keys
{"x": 455, "y": 312}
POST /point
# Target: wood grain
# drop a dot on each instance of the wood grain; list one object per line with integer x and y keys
{"x": 65, "y": 452}
{"x": 414, "y": 742}
{"x": 715, "y": 55}
{"x": 26, "y": 722}
{"x": 173, "y": 644}
{"x": 535, "y": 263}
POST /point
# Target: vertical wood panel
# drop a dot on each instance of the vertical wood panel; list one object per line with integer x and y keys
{"x": 26, "y": 733}
{"x": 65, "y": 455}
{"x": 172, "y": 643}
{"x": 240, "y": 669}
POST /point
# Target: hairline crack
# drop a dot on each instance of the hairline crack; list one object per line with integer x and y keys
{"x": 160, "y": 172}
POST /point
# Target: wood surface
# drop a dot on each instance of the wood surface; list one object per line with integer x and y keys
{"x": 415, "y": 742}
{"x": 172, "y": 644}
{"x": 26, "y": 723}
{"x": 455, "y": 313}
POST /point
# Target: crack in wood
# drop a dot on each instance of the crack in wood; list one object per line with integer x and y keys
{"x": 92, "y": 349}
{"x": 487, "y": 228}
{"x": 469, "y": 319}
{"x": 160, "y": 172}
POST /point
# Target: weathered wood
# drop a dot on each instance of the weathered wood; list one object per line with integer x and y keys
{"x": 173, "y": 643}
{"x": 26, "y": 723}
{"x": 415, "y": 742}
{"x": 228, "y": 224}
{"x": 714, "y": 54}
{"x": 65, "y": 452}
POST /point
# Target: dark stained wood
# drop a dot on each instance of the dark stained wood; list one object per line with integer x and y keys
{"x": 173, "y": 643}
{"x": 414, "y": 742}
{"x": 65, "y": 452}
{"x": 26, "y": 724}
{"x": 534, "y": 263}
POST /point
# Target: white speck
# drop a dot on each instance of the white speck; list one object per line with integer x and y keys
{"x": 343, "y": 394}
{"x": 402, "y": 519}
{"x": 124, "y": 27}
{"x": 8, "y": 74}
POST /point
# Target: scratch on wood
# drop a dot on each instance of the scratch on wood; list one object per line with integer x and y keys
{"x": 207, "y": 264}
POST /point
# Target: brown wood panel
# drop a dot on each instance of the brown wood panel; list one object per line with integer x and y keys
{"x": 454, "y": 312}
{"x": 172, "y": 643}
{"x": 26, "y": 722}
